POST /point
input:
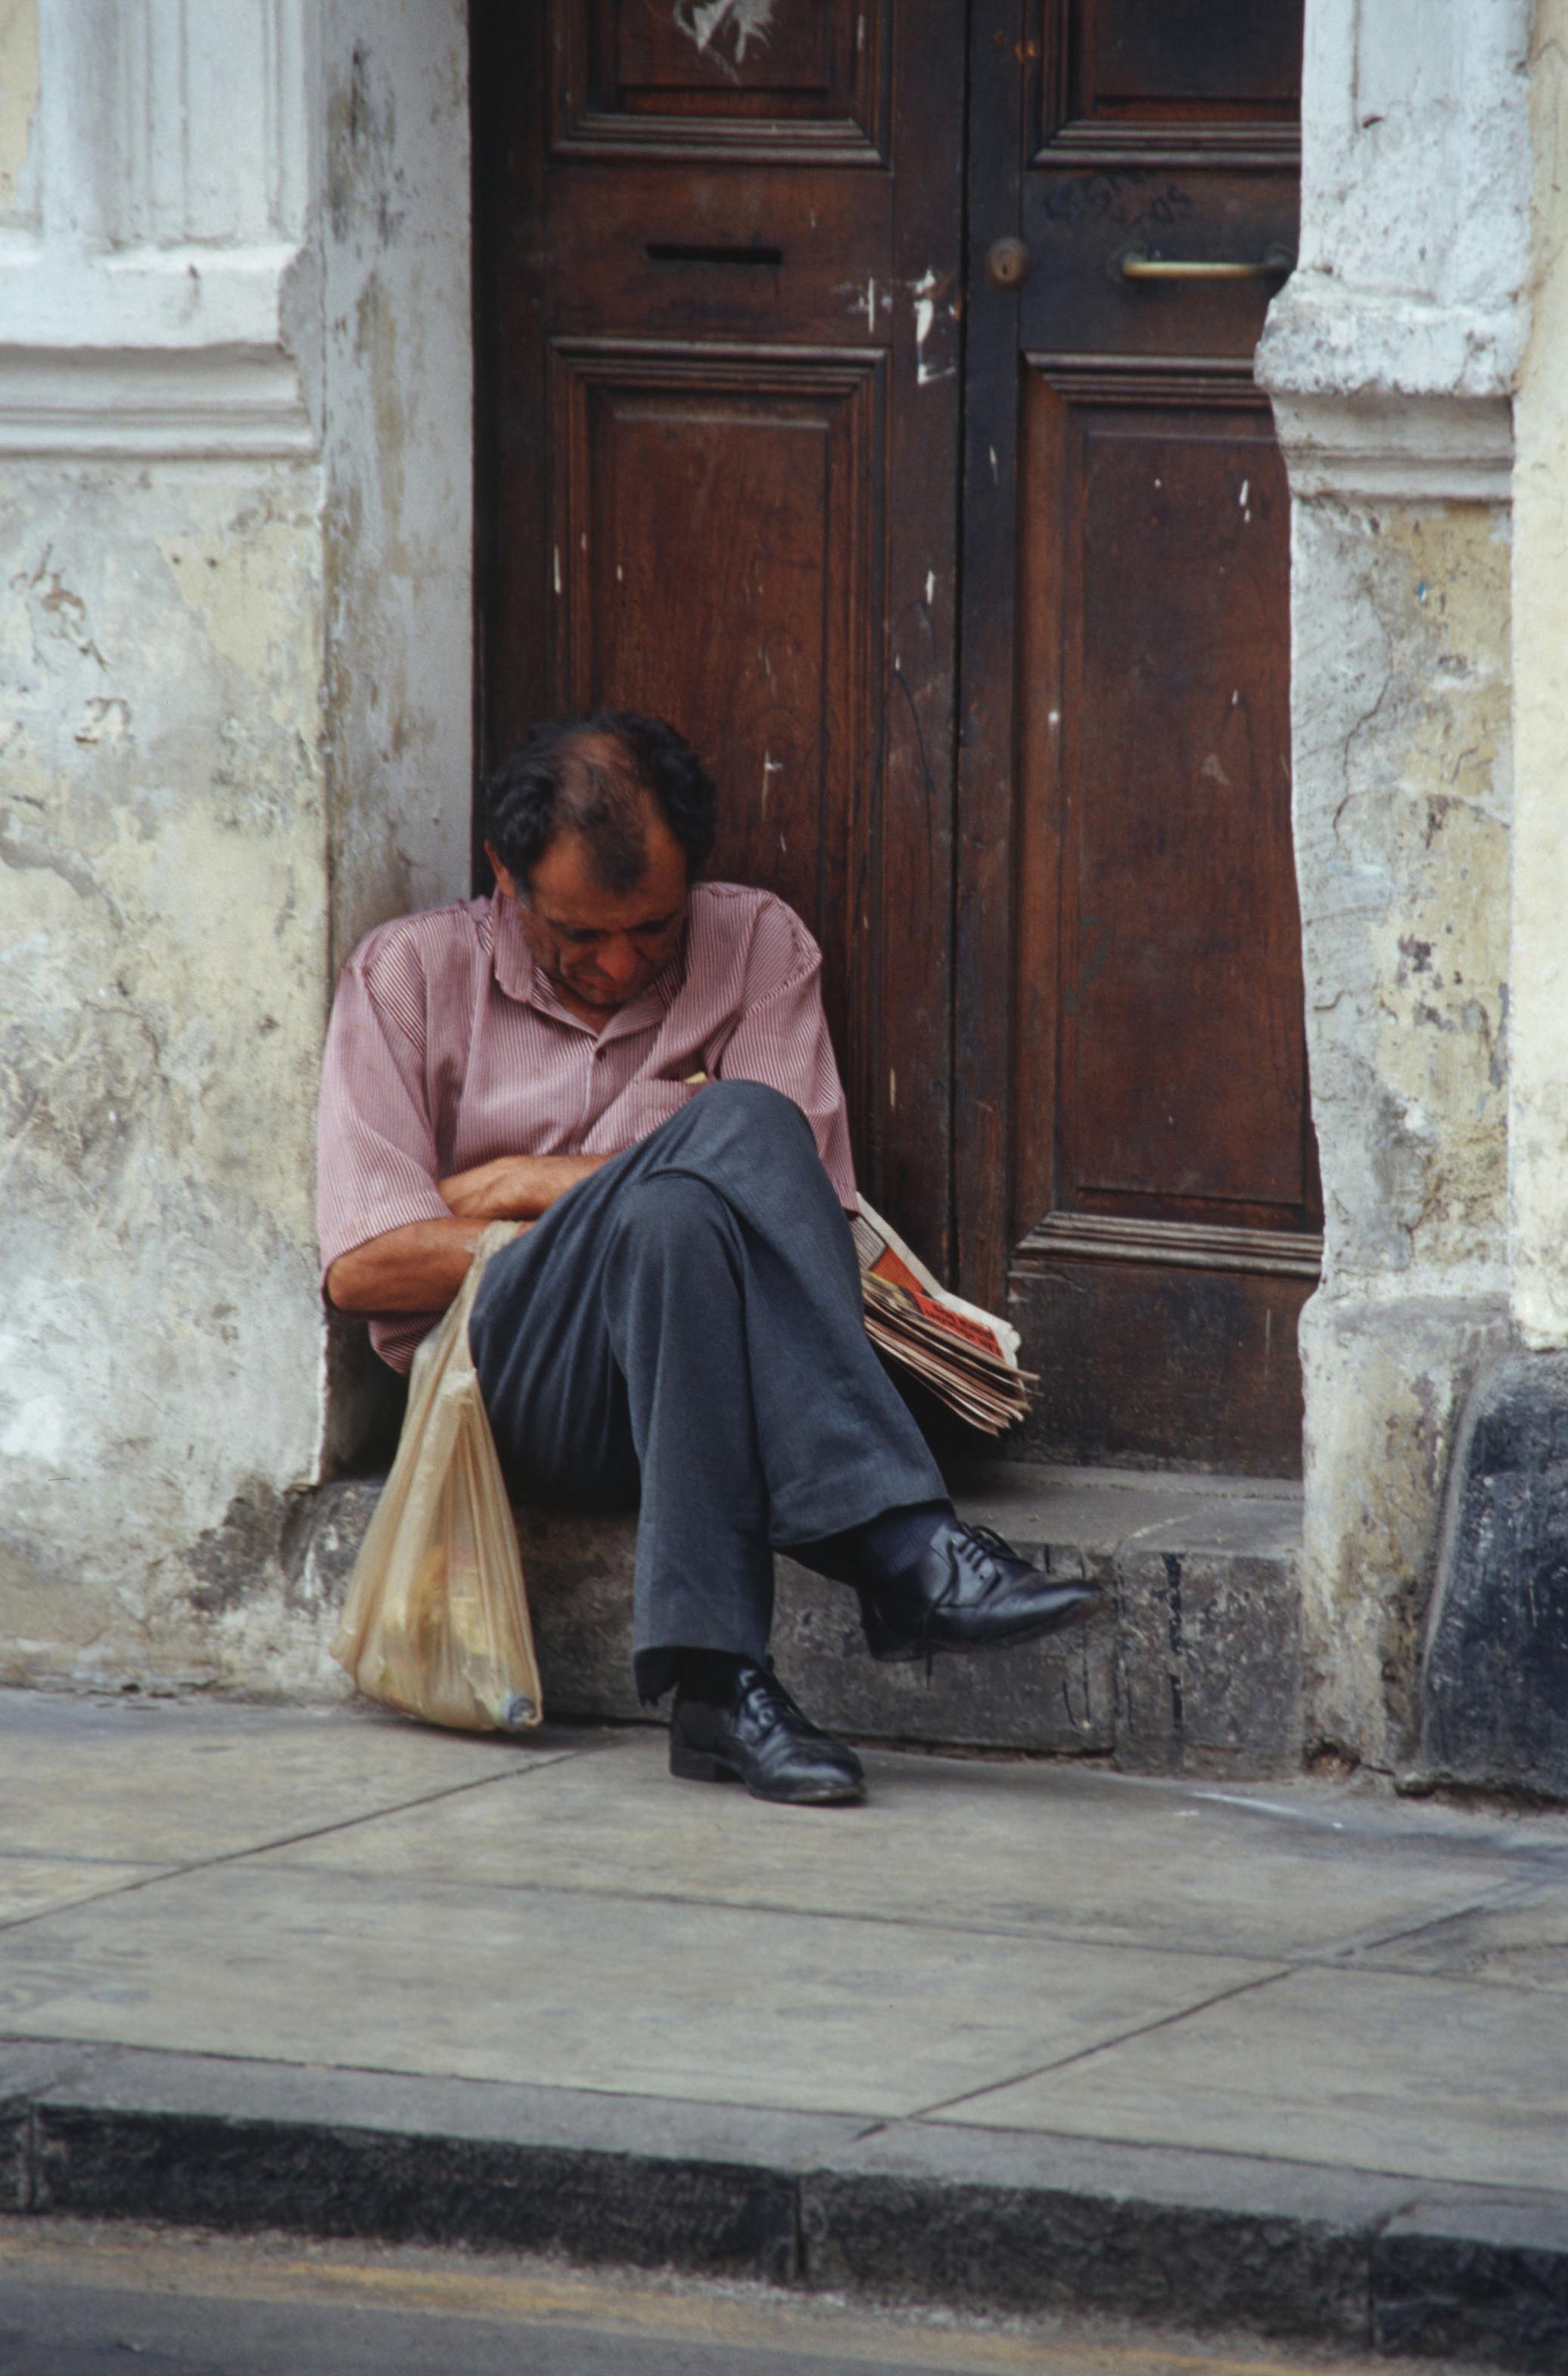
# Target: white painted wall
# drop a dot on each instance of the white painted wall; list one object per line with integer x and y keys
{"x": 235, "y": 708}
{"x": 1415, "y": 187}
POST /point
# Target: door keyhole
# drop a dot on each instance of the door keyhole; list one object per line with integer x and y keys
{"x": 1008, "y": 264}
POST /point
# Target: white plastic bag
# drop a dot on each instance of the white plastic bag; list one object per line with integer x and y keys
{"x": 436, "y": 1619}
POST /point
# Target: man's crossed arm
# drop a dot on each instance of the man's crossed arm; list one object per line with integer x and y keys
{"x": 421, "y": 1266}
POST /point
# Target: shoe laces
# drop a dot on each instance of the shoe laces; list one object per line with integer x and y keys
{"x": 981, "y": 1549}
{"x": 760, "y": 1681}
{"x": 977, "y": 1548}
{"x": 988, "y": 1541}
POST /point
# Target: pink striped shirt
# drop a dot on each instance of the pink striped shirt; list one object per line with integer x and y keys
{"x": 448, "y": 1048}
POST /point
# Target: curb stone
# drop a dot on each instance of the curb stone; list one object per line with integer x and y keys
{"x": 910, "y": 2211}
{"x": 1489, "y": 2284}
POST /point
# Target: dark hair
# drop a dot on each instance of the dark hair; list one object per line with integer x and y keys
{"x": 593, "y": 777}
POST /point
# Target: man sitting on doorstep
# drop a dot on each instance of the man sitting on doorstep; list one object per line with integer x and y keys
{"x": 680, "y": 1328}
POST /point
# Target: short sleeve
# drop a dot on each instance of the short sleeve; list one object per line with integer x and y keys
{"x": 377, "y": 1167}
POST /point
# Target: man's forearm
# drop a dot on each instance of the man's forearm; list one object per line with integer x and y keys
{"x": 417, "y": 1268}
{"x": 516, "y": 1187}
{"x": 421, "y": 1266}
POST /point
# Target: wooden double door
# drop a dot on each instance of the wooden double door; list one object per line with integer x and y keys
{"x": 847, "y": 395}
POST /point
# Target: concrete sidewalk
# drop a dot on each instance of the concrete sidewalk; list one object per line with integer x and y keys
{"x": 1292, "y": 2058}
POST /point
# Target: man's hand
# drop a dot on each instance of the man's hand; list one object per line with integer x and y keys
{"x": 515, "y": 1187}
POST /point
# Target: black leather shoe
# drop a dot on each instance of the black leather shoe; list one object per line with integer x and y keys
{"x": 968, "y": 1590}
{"x": 760, "y": 1738}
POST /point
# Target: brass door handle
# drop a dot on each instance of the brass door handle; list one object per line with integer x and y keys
{"x": 1136, "y": 264}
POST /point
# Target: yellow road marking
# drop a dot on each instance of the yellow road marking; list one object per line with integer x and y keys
{"x": 216, "y": 2268}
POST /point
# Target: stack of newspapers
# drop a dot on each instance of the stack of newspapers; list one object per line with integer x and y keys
{"x": 967, "y": 1355}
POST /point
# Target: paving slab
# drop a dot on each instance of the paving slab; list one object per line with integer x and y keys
{"x": 1519, "y": 1939}
{"x": 34, "y": 1884}
{"x": 1020, "y": 1848}
{"x": 1376, "y": 2070}
{"x": 173, "y": 1781}
{"x": 712, "y": 2002}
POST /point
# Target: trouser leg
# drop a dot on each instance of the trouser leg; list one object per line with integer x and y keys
{"x": 692, "y": 1316}
{"x": 674, "y": 1296}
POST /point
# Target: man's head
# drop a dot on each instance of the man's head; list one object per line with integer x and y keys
{"x": 596, "y": 828}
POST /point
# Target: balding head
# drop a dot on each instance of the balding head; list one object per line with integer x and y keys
{"x": 605, "y": 780}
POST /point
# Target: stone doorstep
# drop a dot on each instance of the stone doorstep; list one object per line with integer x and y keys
{"x": 1193, "y": 1664}
{"x": 911, "y": 2211}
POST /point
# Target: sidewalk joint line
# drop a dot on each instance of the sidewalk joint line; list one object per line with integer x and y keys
{"x": 539, "y": 1762}
{"x": 1494, "y": 1900}
{"x": 1105, "y": 2045}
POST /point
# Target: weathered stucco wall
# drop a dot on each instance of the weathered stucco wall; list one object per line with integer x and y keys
{"x": 1402, "y": 668}
{"x": 398, "y": 389}
{"x": 1391, "y": 357}
{"x": 1414, "y": 172}
{"x": 234, "y": 712}
{"x": 1538, "y": 1128}
{"x": 162, "y": 932}
{"x": 398, "y": 448}
{"x": 1402, "y": 838}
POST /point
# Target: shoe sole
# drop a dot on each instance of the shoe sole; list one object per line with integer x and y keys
{"x": 701, "y": 1765}
{"x": 900, "y": 1651}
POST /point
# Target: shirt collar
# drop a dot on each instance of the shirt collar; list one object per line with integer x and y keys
{"x": 521, "y": 978}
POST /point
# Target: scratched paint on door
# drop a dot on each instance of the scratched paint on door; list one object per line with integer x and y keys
{"x": 708, "y": 22}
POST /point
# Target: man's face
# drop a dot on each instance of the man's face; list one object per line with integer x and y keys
{"x": 601, "y": 949}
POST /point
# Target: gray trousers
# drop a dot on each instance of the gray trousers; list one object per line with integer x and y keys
{"x": 682, "y": 1332}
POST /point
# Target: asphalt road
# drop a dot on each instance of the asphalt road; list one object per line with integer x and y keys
{"x": 83, "y": 2300}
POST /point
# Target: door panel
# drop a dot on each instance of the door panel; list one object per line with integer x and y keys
{"x": 1080, "y": 224}
{"x": 1140, "y": 59}
{"x": 1141, "y": 1187}
{"x": 764, "y": 256}
{"x": 695, "y": 73}
{"x": 752, "y": 487}
{"x": 1158, "y": 927}
{"x": 1155, "y": 73}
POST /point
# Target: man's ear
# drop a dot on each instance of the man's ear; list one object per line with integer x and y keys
{"x": 504, "y": 875}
